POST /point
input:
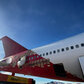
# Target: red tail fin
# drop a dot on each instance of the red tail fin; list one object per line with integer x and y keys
{"x": 11, "y": 47}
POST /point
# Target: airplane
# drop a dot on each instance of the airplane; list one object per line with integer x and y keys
{"x": 62, "y": 60}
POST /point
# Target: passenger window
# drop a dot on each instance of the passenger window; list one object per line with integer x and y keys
{"x": 72, "y": 47}
{"x": 34, "y": 57}
{"x": 47, "y": 53}
{"x": 58, "y": 50}
{"x": 62, "y": 49}
{"x": 77, "y": 46}
{"x": 50, "y": 52}
{"x": 37, "y": 56}
{"x": 29, "y": 58}
{"x": 43, "y": 54}
{"x": 82, "y": 44}
{"x": 54, "y": 51}
{"x": 67, "y": 48}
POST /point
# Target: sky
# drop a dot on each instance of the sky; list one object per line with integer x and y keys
{"x": 34, "y": 23}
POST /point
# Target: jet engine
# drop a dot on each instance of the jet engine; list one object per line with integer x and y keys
{"x": 5, "y": 62}
{"x": 21, "y": 61}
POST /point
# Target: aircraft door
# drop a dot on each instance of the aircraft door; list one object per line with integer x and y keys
{"x": 59, "y": 70}
{"x": 81, "y": 60}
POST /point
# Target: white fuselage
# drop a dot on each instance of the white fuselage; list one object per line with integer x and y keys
{"x": 66, "y": 51}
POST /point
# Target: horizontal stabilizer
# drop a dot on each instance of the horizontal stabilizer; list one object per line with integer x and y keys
{"x": 11, "y": 47}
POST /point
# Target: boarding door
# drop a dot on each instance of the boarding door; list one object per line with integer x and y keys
{"x": 81, "y": 60}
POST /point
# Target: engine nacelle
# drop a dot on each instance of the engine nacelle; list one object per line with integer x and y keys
{"x": 21, "y": 62}
{"x": 6, "y": 61}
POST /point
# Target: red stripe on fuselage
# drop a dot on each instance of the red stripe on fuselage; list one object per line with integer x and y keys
{"x": 38, "y": 66}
